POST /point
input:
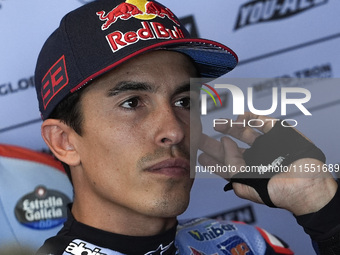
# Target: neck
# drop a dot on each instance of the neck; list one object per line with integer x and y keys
{"x": 116, "y": 219}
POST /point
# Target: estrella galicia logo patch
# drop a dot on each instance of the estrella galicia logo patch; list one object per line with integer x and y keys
{"x": 258, "y": 11}
{"x": 235, "y": 245}
{"x": 42, "y": 208}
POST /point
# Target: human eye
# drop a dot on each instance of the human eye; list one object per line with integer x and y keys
{"x": 131, "y": 103}
{"x": 184, "y": 102}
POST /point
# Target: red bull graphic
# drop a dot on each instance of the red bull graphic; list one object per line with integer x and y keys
{"x": 160, "y": 11}
{"x": 153, "y": 30}
{"x": 144, "y": 10}
{"x": 123, "y": 11}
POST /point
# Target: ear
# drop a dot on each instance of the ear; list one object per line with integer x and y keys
{"x": 60, "y": 139}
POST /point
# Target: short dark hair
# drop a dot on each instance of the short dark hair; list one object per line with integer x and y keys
{"x": 69, "y": 112}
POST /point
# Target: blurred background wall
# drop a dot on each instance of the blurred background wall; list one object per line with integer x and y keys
{"x": 273, "y": 38}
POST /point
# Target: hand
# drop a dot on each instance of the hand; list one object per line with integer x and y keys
{"x": 300, "y": 192}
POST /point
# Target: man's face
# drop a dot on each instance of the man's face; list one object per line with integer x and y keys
{"x": 134, "y": 149}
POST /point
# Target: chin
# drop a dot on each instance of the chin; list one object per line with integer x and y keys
{"x": 169, "y": 211}
{"x": 170, "y": 201}
{"x": 171, "y": 206}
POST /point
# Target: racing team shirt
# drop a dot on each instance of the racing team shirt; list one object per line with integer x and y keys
{"x": 200, "y": 236}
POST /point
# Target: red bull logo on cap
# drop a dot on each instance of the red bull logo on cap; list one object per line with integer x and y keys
{"x": 143, "y": 10}
{"x": 140, "y": 9}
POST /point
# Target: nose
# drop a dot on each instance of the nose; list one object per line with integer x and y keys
{"x": 170, "y": 128}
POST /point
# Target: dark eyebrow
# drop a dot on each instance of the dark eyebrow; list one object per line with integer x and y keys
{"x": 130, "y": 86}
{"x": 181, "y": 89}
{"x": 187, "y": 88}
{"x": 141, "y": 86}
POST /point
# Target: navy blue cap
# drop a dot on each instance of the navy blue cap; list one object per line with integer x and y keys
{"x": 103, "y": 34}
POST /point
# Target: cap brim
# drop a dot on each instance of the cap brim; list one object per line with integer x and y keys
{"x": 212, "y": 59}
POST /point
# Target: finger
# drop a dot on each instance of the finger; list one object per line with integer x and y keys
{"x": 219, "y": 149}
{"x": 214, "y": 166}
{"x": 228, "y": 158}
{"x": 247, "y": 192}
{"x": 243, "y": 133}
{"x": 247, "y": 127}
{"x": 240, "y": 129}
{"x": 264, "y": 123}
{"x": 233, "y": 154}
{"x": 212, "y": 147}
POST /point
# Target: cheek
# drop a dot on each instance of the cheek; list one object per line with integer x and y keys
{"x": 114, "y": 149}
{"x": 108, "y": 169}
